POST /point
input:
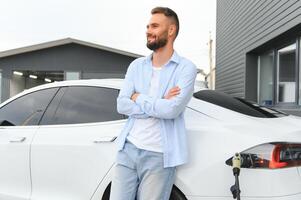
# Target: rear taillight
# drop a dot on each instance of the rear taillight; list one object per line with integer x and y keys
{"x": 271, "y": 156}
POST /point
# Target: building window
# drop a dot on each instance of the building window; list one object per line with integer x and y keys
{"x": 286, "y": 74}
{"x": 265, "y": 78}
{"x": 279, "y": 76}
{"x": 299, "y": 69}
{"x": 72, "y": 75}
{"x": 0, "y": 86}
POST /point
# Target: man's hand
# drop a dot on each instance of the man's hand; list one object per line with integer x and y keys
{"x": 172, "y": 92}
{"x": 134, "y": 96}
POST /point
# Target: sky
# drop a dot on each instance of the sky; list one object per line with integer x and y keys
{"x": 119, "y": 24}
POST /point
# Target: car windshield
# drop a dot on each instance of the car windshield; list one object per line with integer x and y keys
{"x": 237, "y": 104}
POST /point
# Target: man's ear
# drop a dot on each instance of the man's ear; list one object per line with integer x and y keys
{"x": 172, "y": 30}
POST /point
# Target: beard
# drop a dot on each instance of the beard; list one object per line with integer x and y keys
{"x": 158, "y": 43}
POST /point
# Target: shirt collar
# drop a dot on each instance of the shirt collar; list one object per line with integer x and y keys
{"x": 174, "y": 58}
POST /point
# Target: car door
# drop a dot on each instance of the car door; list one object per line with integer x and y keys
{"x": 73, "y": 149}
{"x": 19, "y": 119}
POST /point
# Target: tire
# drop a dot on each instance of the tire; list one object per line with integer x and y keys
{"x": 176, "y": 194}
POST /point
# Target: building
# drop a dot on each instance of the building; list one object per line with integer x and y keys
{"x": 59, "y": 60}
{"x": 258, "y": 51}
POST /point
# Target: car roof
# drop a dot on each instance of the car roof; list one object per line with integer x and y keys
{"x": 115, "y": 83}
{"x": 110, "y": 83}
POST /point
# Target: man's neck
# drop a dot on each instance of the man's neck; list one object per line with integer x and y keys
{"x": 162, "y": 55}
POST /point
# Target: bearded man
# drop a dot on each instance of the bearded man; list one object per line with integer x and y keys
{"x": 154, "y": 95}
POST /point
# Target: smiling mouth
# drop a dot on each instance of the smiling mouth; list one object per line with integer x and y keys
{"x": 151, "y": 39}
{"x": 150, "y": 36}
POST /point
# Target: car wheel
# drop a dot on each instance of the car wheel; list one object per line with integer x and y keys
{"x": 176, "y": 194}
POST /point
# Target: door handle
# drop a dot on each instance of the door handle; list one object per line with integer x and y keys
{"x": 105, "y": 139}
{"x": 17, "y": 139}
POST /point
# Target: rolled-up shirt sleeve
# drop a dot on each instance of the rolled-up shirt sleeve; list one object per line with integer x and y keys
{"x": 170, "y": 108}
{"x": 125, "y": 105}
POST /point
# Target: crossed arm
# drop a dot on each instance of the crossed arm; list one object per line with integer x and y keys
{"x": 171, "y": 93}
{"x": 170, "y": 106}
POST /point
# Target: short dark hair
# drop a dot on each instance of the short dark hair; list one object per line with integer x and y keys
{"x": 168, "y": 13}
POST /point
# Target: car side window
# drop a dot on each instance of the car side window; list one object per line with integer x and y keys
{"x": 83, "y": 104}
{"x": 27, "y": 109}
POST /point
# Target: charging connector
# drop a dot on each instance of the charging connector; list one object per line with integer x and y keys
{"x": 236, "y": 163}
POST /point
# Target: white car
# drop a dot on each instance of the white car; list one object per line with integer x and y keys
{"x": 57, "y": 143}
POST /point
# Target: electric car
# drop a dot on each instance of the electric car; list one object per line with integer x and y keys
{"x": 57, "y": 142}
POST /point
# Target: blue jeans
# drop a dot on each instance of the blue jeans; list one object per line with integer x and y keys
{"x": 139, "y": 174}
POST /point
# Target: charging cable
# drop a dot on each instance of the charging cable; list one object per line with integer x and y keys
{"x": 236, "y": 163}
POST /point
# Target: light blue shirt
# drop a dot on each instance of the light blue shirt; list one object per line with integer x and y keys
{"x": 178, "y": 71}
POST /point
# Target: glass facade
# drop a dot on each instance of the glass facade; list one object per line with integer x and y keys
{"x": 0, "y": 86}
{"x": 299, "y": 69}
{"x": 279, "y": 76}
{"x": 265, "y": 78}
{"x": 286, "y": 74}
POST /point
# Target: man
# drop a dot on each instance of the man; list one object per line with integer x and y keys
{"x": 154, "y": 95}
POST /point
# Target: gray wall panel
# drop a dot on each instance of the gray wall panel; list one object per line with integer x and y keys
{"x": 242, "y": 26}
{"x": 259, "y": 27}
{"x": 67, "y": 57}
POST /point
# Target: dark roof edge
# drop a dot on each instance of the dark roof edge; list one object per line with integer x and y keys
{"x": 63, "y": 42}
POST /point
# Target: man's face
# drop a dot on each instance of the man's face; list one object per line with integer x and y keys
{"x": 157, "y": 31}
